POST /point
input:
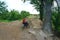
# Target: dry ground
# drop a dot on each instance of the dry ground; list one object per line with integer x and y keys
{"x": 13, "y": 30}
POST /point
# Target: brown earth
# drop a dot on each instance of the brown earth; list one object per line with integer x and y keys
{"x": 13, "y": 30}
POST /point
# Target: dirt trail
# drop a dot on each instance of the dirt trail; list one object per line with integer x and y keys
{"x": 13, "y": 31}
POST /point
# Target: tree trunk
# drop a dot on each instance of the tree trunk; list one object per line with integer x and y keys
{"x": 47, "y": 25}
{"x": 41, "y": 11}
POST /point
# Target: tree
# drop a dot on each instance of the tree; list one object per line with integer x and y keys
{"x": 14, "y": 15}
{"x": 38, "y": 4}
{"x": 47, "y": 25}
{"x": 2, "y": 9}
{"x": 24, "y": 14}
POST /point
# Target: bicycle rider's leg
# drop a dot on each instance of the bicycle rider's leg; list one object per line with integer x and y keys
{"x": 27, "y": 25}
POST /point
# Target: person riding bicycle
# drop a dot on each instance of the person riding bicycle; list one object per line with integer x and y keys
{"x": 25, "y": 23}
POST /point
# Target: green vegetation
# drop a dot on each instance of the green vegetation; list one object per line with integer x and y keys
{"x": 7, "y": 16}
{"x": 24, "y": 14}
{"x": 56, "y": 21}
{"x": 54, "y": 15}
{"x": 14, "y": 15}
{"x": 5, "y": 21}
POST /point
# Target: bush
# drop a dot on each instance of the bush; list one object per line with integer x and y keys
{"x": 14, "y": 15}
{"x": 24, "y": 14}
{"x": 56, "y": 22}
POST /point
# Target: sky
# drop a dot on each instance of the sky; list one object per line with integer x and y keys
{"x": 19, "y": 5}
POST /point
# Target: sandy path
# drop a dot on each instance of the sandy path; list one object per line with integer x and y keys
{"x": 13, "y": 31}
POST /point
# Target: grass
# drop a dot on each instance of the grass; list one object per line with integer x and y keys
{"x": 4, "y": 21}
{"x": 13, "y": 20}
{"x": 9, "y": 20}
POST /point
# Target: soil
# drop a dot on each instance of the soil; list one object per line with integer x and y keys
{"x": 13, "y": 30}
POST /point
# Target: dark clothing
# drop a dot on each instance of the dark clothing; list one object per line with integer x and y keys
{"x": 25, "y": 23}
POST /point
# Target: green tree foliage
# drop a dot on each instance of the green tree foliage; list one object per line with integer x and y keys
{"x": 57, "y": 26}
{"x": 54, "y": 14}
{"x": 38, "y": 4}
{"x": 24, "y": 14}
{"x": 13, "y": 15}
{"x": 56, "y": 21}
{"x": 4, "y": 15}
{"x": 3, "y": 10}
{"x": 2, "y": 7}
